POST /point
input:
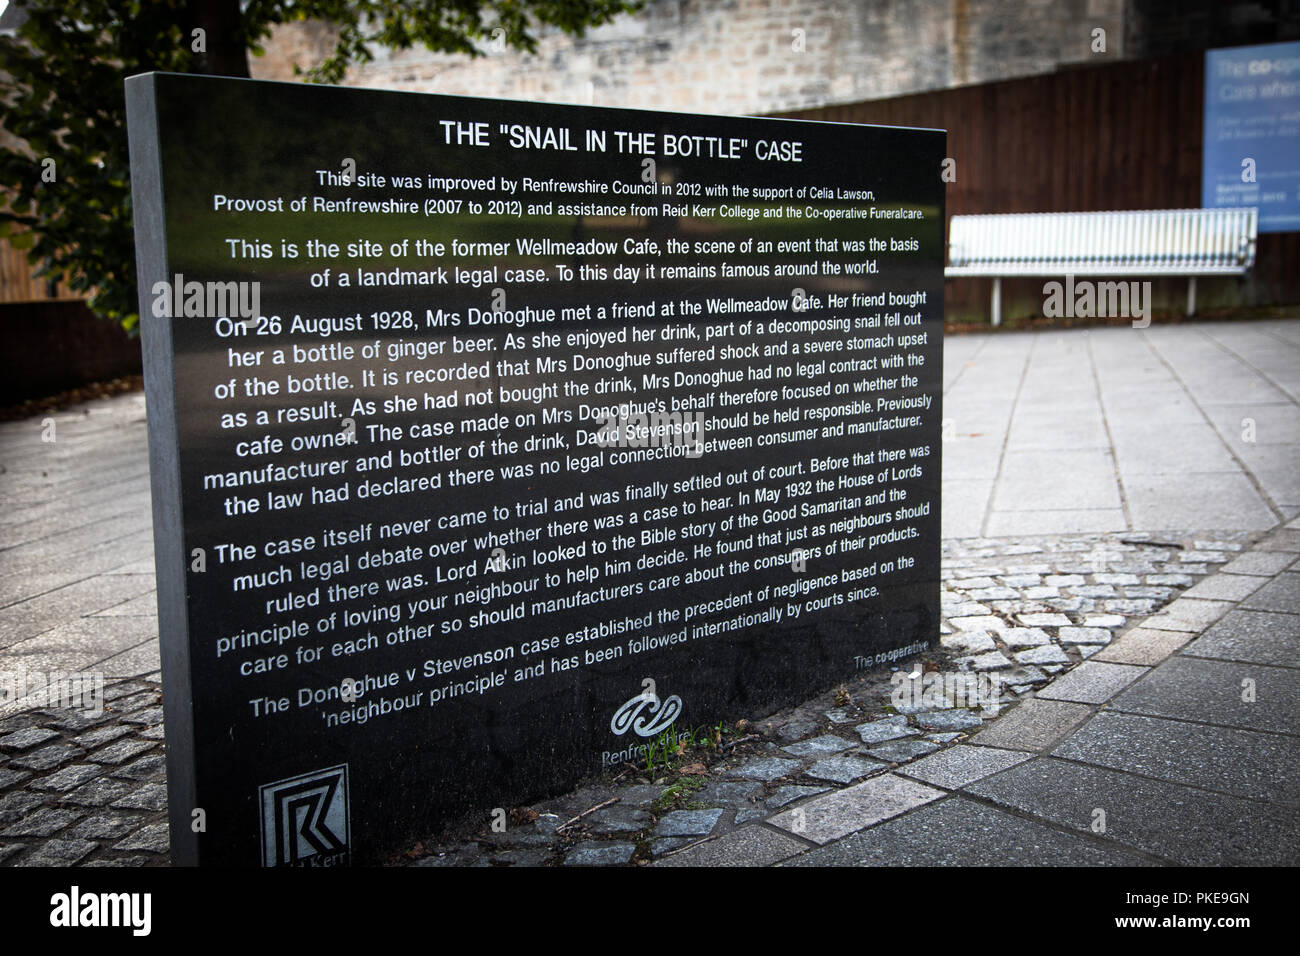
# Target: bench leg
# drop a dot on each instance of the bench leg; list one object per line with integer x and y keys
{"x": 996, "y": 308}
{"x": 1191, "y": 297}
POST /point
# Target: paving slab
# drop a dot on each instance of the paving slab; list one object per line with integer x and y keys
{"x": 619, "y": 819}
{"x": 1026, "y": 636}
{"x": 1238, "y": 762}
{"x": 1280, "y": 594}
{"x": 1032, "y": 725}
{"x": 1080, "y": 521}
{"x": 764, "y": 768}
{"x": 1207, "y": 500}
{"x": 969, "y": 642}
{"x": 1287, "y": 540}
{"x": 748, "y": 846}
{"x": 1092, "y": 682}
{"x": 721, "y": 793}
{"x": 1188, "y": 614}
{"x": 1182, "y": 825}
{"x": 1084, "y": 635}
{"x": 599, "y": 854}
{"x": 890, "y": 728}
{"x": 958, "y": 766}
{"x": 965, "y": 502}
{"x": 1057, "y": 480}
{"x": 141, "y": 660}
{"x": 1226, "y": 587}
{"x": 900, "y": 751}
{"x": 81, "y": 644}
{"x": 819, "y": 746}
{"x": 790, "y": 793}
{"x": 1261, "y": 637}
{"x": 1261, "y": 563}
{"x": 1145, "y": 646}
{"x": 64, "y": 606}
{"x": 960, "y": 832}
{"x": 59, "y": 853}
{"x": 844, "y": 768}
{"x": 1045, "y": 655}
{"x": 1208, "y": 691}
{"x": 842, "y": 812}
{"x": 687, "y": 823}
{"x": 957, "y": 719}
{"x": 1156, "y": 446}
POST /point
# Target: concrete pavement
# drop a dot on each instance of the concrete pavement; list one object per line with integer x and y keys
{"x": 1173, "y": 430}
{"x": 1187, "y": 427}
{"x": 1179, "y": 743}
{"x": 1172, "y": 427}
{"x": 76, "y": 542}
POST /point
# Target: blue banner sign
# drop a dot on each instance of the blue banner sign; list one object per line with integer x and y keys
{"x": 1251, "y": 152}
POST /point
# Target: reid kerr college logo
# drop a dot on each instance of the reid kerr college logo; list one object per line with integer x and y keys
{"x": 305, "y": 819}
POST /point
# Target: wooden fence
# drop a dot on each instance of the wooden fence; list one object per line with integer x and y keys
{"x": 18, "y": 284}
{"x": 1123, "y": 135}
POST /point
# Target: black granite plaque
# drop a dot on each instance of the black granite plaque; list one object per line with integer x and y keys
{"x": 492, "y": 440}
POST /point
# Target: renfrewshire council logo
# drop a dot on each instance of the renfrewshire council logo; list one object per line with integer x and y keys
{"x": 305, "y": 819}
{"x": 646, "y": 716}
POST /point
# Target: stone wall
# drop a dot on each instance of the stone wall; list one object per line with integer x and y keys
{"x": 750, "y": 56}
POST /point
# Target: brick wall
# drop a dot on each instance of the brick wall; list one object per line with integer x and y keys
{"x": 740, "y": 56}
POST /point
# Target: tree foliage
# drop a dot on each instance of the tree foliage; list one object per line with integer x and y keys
{"x": 63, "y": 146}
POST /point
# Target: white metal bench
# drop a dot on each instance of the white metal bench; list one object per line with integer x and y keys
{"x": 1149, "y": 242}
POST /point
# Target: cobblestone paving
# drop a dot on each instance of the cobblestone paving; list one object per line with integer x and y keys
{"x": 92, "y": 790}
{"x": 1061, "y": 420}
{"x": 83, "y": 789}
{"x": 1026, "y": 610}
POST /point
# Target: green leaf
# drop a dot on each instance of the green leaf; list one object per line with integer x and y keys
{"x": 61, "y": 87}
